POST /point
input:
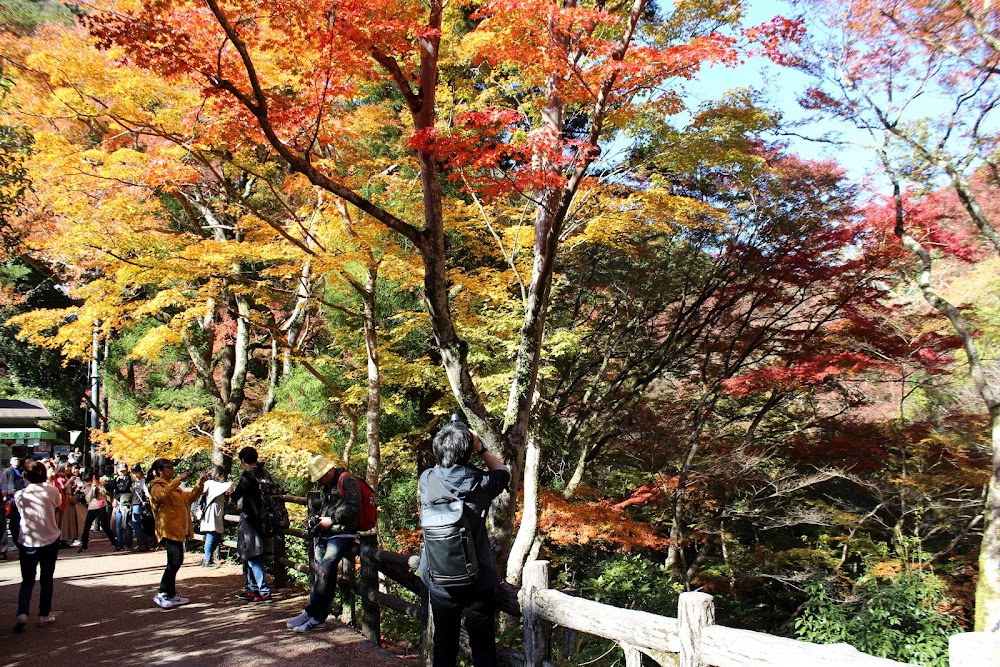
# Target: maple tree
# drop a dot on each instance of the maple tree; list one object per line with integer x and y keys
{"x": 290, "y": 73}
{"x": 878, "y": 71}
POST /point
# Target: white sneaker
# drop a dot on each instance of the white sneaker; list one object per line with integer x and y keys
{"x": 46, "y": 620}
{"x": 162, "y": 601}
{"x": 292, "y": 623}
{"x": 167, "y": 603}
{"x": 76, "y": 543}
{"x": 310, "y": 624}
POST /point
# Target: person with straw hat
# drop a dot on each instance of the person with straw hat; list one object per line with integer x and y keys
{"x": 335, "y": 529}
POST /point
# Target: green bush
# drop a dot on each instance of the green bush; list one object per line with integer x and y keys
{"x": 894, "y": 617}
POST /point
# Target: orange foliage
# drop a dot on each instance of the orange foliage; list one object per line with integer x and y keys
{"x": 565, "y": 522}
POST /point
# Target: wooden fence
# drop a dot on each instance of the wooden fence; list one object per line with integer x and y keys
{"x": 690, "y": 640}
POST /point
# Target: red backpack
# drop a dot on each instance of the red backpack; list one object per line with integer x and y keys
{"x": 368, "y": 517}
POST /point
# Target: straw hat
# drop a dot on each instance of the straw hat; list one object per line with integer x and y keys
{"x": 319, "y": 465}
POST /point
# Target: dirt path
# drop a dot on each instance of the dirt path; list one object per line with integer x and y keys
{"x": 105, "y": 616}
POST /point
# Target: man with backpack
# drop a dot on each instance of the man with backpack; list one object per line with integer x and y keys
{"x": 335, "y": 529}
{"x": 251, "y": 541}
{"x": 456, "y": 563}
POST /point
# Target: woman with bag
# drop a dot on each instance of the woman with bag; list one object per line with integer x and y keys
{"x": 172, "y": 510}
{"x": 96, "y": 499}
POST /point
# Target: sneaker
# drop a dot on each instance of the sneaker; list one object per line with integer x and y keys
{"x": 46, "y": 620}
{"x": 246, "y": 596}
{"x": 76, "y": 543}
{"x": 293, "y": 623}
{"x": 163, "y": 601}
{"x": 310, "y": 624}
{"x": 22, "y": 620}
{"x": 261, "y": 597}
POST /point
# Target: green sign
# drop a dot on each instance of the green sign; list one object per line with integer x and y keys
{"x": 25, "y": 434}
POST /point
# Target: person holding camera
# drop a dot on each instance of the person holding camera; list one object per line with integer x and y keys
{"x": 95, "y": 498}
{"x": 453, "y": 486}
{"x": 335, "y": 529}
{"x": 172, "y": 511}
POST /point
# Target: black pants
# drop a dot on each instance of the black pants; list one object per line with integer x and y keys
{"x": 31, "y": 559}
{"x": 479, "y": 610}
{"x": 175, "y": 558}
{"x": 96, "y": 515}
{"x": 15, "y": 524}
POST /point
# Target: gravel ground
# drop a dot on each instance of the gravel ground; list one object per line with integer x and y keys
{"x": 105, "y": 615}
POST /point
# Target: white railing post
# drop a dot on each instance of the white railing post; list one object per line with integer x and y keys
{"x": 974, "y": 649}
{"x": 536, "y": 631}
{"x": 695, "y": 611}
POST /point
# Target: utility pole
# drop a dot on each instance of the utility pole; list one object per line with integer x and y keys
{"x": 95, "y": 397}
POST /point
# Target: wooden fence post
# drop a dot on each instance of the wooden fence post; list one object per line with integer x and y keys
{"x": 312, "y": 508}
{"x": 695, "y": 611}
{"x": 371, "y": 616}
{"x": 348, "y": 569}
{"x": 278, "y": 556}
{"x": 535, "y": 577}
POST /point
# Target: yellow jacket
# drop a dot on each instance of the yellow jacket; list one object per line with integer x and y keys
{"x": 172, "y": 508}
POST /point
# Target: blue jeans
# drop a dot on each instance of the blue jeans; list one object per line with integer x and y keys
{"x": 256, "y": 578}
{"x": 210, "y": 540}
{"x": 122, "y": 521}
{"x": 140, "y": 537}
{"x": 329, "y": 552}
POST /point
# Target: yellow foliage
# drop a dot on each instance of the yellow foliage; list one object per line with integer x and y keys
{"x": 285, "y": 440}
{"x": 161, "y": 434}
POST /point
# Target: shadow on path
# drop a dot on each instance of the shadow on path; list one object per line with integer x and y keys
{"x": 103, "y": 602}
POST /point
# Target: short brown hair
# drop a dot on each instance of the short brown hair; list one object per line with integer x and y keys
{"x": 35, "y": 472}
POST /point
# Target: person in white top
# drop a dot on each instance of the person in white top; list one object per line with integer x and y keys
{"x": 211, "y": 517}
{"x": 38, "y": 542}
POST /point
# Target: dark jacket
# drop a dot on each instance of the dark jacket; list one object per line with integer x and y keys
{"x": 248, "y": 492}
{"x": 477, "y": 489}
{"x": 343, "y": 510}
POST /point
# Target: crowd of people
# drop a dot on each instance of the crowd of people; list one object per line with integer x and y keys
{"x": 48, "y": 501}
{"x": 111, "y": 504}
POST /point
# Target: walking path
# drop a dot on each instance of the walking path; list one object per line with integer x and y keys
{"x": 105, "y": 615}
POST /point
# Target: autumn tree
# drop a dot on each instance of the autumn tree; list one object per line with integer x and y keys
{"x": 292, "y": 70}
{"x": 883, "y": 68}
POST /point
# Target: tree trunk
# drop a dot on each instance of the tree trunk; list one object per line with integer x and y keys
{"x": 528, "y": 529}
{"x": 374, "y": 379}
{"x": 988, "y": 586}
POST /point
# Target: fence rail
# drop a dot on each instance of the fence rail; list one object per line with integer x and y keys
{"x": 690, "y": 640}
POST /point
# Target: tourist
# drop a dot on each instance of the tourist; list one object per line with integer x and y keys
{"x": 140, "y": 499}
{"x": 95, "y": 498}
{"x": 454, "y": 476}
{"x": 123, "y": 507}
{"x": 336, "y": 528}
{"x": 11, "y": 481}
{"x": 38, "y": 542}
{"x": 172, "y": 510}
{"x": 212, "y": 523}
{"x": 251, "y": 544}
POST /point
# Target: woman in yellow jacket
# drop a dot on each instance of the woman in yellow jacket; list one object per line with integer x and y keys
{"x": 172, "y": 511}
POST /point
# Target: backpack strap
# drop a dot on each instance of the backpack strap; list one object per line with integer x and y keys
{"x": 340, "y": 483}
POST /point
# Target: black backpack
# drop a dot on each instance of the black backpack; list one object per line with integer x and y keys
{"x": 449, "y": 548}
{"x": 273, "y": 514}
